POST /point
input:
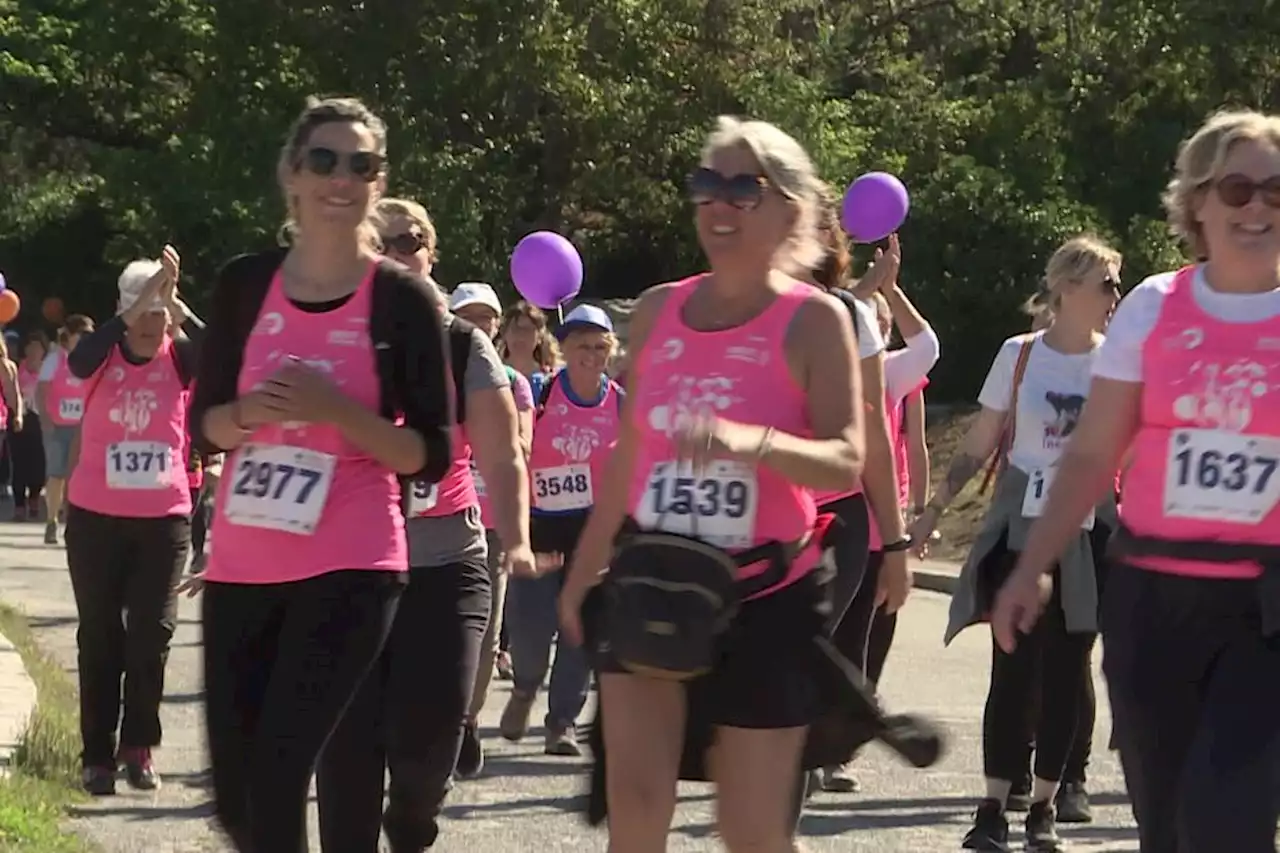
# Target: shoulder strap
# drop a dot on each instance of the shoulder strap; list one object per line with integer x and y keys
{"x": 1000, "y": 458}
{"x": 851, "y": 305}
{"x": 460, "y": 332}
{"x": 545, "y": 395}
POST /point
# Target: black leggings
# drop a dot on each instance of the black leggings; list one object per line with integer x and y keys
{"x": 27, "y": 447}
{"x": 1056, "y": 661}
{"x": 850, "y": 547}
{"x": 201, "y": 519}
{"x": 407, "y": 717}
{"x": 281, "y": 663}
{"x": 1195, "y": 689}
{"x": 123, "y": 575}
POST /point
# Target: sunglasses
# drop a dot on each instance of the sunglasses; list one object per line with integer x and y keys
{"x": 1110, "y": 285}
{"x": 745, "y": 192}
{"x": 408, "y": 243}
{"x": 365, "y": 165}
{"x": 1237, "y": 190}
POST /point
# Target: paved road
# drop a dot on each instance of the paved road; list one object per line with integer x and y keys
{"x": 526, "y": 801}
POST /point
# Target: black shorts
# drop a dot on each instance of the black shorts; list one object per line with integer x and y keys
{"x": 556, "y": 534}
{"x": 767, "y": 675}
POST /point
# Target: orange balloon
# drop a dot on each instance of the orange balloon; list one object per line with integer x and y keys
{"x": 9, "y": 306}
{"x": 52, "y": 309}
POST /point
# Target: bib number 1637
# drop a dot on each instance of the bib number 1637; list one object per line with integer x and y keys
{"x": 1212, "y": 475}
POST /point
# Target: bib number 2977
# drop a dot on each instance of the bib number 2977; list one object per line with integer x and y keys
{"x": 717, "y": 506}
{"x": 1213, "y": 475}
{"x": 278, "y": 487}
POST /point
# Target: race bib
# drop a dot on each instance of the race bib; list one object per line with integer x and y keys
{"x": 481, "y": 489}
{"x": 71, "y": 408}
{"x": 1212, "y": 475}
{"x": 1037, "y": 493}
{"x": 277, "y": 487}
{"x": 423, "y": 497}
{"x": 717, "y": 505}
{"x": 138, "y": 465}
{"x": 565, "y": 487}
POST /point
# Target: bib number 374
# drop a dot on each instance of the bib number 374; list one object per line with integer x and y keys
{"x": 1212, "y": 475}
{"x": 717, "y": 505}
{"x": 278, "y": 487}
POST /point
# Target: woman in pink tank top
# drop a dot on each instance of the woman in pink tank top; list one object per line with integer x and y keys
{"x": 128, "y": 526}
{"x": 324, "y": 383}
{"x": 743, "y": 401}
{"x": 60, "y": 401}
{"x": 1190, "y": 617}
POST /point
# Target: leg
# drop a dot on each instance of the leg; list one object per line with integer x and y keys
{"x": 850, "y": 553}
{"x": 160, "y": 547}
{"x": 1082, "y": 745}
{"x": 96, "y": 559}
{"x": 241, "y": 625}
{"x": 489, "y": 644}
{"x": 532, "y": 618}
{"x": 201, "y": 510}
{"x": 852, "y": 638}
{"x": 643, "y": 736}
{"x": 883, "y": 627}
{"x": 1229, "y": 785}
{"x": 333, "y": 629}
{"x": 351, "y": 773}
{"x": 754, "y": 796}
{"x": 428, "y": 694}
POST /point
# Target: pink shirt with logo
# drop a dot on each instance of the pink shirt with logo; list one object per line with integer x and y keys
{"x": 740, "y": 374}
{"x": 132, "y": 439}
{"x": 1206, "y": 459}
{"x": 64, "y": 397}
{"x": 571, "y": 444}
{"x": 297, "y": 500}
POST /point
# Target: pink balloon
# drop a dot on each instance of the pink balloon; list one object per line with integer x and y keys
{"x": 546, "y": 269}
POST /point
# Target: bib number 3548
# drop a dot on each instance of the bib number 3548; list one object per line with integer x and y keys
{"x": 717, "y": 505}
{"x": 1211, "y": 475}
{"x": 278, "y": 487}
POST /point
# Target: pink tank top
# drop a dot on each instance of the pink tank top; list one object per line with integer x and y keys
{"x": 1206, "y": 454}
{"x": 297, "y": 500}
{"x": 901, "y": 453}
{"x": 740, "y": 374}
{"x": 27, "y": 381}
{"x": 571, "y": 443}
{"x": 133, "y": 438}
{"x": 455, "y": 492}
{"x": 64, "y": 398}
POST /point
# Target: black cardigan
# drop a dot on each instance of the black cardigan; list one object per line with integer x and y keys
{"x": 406, "y": 326}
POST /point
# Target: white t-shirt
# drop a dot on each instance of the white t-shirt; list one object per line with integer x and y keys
{"x": 1050, "y": 399}
{"x": 50, "y": 365}
{"x": 1121, "y": 355}
{"x": 870, "y": 341}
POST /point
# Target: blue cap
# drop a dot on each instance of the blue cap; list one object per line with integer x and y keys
{"x": 582, "y": 317}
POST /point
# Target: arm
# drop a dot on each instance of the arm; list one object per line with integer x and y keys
{"x": 880, "y": 476}
{"x": 94, "y": 347}
{"x": 217, "y": 422}
{"x": 821, "y": 350}
{"x": 12, "y": 396}
{"x": 493, "y": 428}
{"x": 978, "y": 444}
{"x": 906, "y": 368}
{"x": 1087, "y": 470}
{"x": 917, "y": 450}
{"x": 524, "y": 411}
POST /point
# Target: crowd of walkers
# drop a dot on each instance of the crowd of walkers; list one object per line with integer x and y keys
{"x": 386, "y": 494}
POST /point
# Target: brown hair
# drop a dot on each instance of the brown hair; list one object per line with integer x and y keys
{"x": 36, "y": 336}
{"x": 318, "y": 112}
{"x": 76, "y": 324}
{"x": 546, "y": 352}
{"x": 832, "y": 272}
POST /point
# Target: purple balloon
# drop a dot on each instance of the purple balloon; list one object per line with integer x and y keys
{"x": 875, "y": 206}
{"x": 546, "y": 269}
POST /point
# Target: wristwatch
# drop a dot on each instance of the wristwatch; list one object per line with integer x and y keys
{"x": 903, "y": 544}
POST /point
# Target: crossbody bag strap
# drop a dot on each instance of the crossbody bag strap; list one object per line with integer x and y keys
{"x": 1000, "y": 458}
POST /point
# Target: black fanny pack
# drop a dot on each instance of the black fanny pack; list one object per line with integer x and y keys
{"x": 669, "y": 599}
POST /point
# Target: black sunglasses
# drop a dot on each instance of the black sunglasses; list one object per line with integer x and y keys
{"x": 408, "y": 243}
{"x": 1237, "y": 190}
{"x": 745, "y": 192}
{"x": 365, "y": 165}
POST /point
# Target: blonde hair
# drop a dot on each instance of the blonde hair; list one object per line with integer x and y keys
{"x": 788, "y": 167}
{"x": 317, "y": 112}
{"x": 1071, "y": 262}
{"x": 1199, "y": 160}
{"x": 390, "y": 207}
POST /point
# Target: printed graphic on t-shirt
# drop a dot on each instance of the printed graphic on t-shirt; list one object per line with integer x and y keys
{"x": 691, "y": 396}
{"x": 1222, "y": 397}
{"x": 1067, "y": 408}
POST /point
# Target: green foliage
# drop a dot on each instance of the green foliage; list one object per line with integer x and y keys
{"x": 1014, "y": 122}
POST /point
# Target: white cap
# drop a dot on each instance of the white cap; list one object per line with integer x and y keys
{"x": 584, "y": 317}
{"x": 134, "y": 280}
{"x": 474, "y": 293}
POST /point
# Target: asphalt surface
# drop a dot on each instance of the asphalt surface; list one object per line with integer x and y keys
{"x": 526, "y": 801}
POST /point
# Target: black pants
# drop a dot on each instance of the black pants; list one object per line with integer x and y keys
{"x": 281, "y": 663}
{"x": 201, "y": 516}
{"x": 407, "y": 717}
{"x": 883, "y": 627}
{"x": 1056, "y": 661}
{"x": 123, "y": 575}
{"x": 1195, "y": 690}
{"x": 27, "y": 446}
{"x": 853, "y": 635}
{"x": 850, "y": 548}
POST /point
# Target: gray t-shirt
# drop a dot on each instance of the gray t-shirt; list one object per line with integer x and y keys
{"x": 459, "y": 537}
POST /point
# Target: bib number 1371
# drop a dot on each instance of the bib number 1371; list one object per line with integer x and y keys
{"x": 1213, "y": 475}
